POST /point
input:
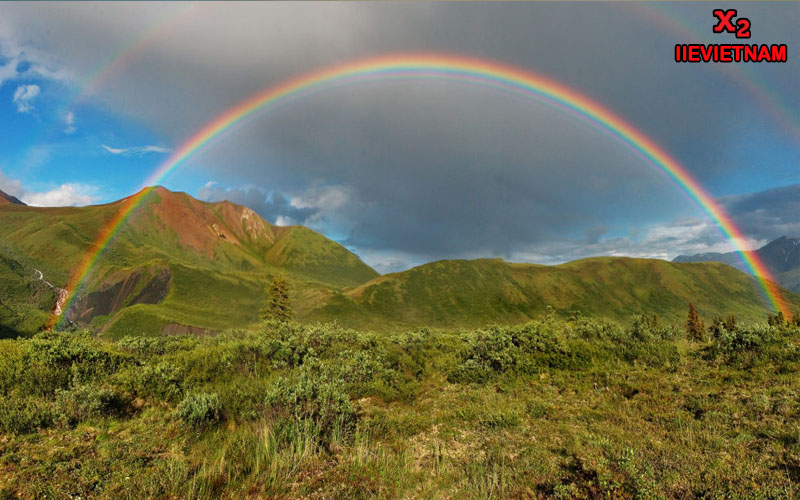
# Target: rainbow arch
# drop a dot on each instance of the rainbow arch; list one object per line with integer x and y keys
{"x": 439, "y": 66}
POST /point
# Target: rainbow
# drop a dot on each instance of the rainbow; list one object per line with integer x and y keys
{"x": 123, "y": 57}
{"x": 439, "y": 66}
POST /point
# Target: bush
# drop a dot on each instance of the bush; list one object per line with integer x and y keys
{"x": 83, "y": 402}
{"x": 753, "y": 344}
{"x": 488, "y": 352}
{"x": 315, "y": 399}
{"x": 200, "y": 409}
{"x": 164, "y": 380}
{"x": 24, "y": 415}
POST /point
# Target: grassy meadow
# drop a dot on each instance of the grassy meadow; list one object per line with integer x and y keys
{"x": 555, "y": 408}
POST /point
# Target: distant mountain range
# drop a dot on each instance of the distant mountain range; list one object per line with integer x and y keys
{"x": 180, "y": 265}
{"x": 781, "y": 257}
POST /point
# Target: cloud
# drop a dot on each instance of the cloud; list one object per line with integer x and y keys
{"x": 18, "y": 62}
{"x": 274, "y": 207}
{"x": 24, "y": 96}
{"x": 69, "y": 122}
{"x": 68, "y": 194}
{"x": 115, "y": 151}
{"x": 136, "y": 150}
{"x": 10, "y": 186}
{"x": 62, "y": 196}
{"x": 767, "y": 214}
{"x": 434, "y": 169}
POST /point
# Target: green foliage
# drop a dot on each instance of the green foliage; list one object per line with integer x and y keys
{"x": 569, "y": 408}
{"x": 84, "y": 402}
{"x": 776, "y": 319}
{"x": 694, "y": 325}
{"x": 310, "y": 398}
{"x": 754, "y": 345}
{"x": 200, "y": 409}
{"x": 24, "y": 414}
{"x": 278, "y": 306}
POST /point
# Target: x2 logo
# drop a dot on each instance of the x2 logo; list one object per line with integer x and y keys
{"x": 726, "y": 17}
{"x": 728, "y": 22}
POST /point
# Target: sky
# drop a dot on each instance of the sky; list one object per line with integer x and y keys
{"x": 95, "y": 96}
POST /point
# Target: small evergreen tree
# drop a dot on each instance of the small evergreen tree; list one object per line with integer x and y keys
{"x": 717, "y": 327}
{"x": 776, "y": 319}
{"x": 730, "y": 323}
{"x": 278, "y": 306}
{"x": 694, "y": 325}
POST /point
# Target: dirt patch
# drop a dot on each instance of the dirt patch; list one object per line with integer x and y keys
{"x": 137, "y": 287}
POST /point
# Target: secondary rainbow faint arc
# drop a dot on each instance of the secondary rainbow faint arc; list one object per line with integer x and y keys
{"x": 450, "y": 67}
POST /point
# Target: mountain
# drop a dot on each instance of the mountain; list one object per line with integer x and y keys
{"x": 473, "y": 292}
{"x": 781, "y": 257}
{"x": 177, "y": 263}
{"x": 6, "y": 198}
{"x": 180, "y": 265}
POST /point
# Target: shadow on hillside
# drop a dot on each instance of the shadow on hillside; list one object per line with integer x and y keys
{"x": 6, "y": 332}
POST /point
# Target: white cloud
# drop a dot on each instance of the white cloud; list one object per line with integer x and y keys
{"x": 115, "y": 151}
{"x": 24, "y": 96}
{"x": 661, "y": 241}
{"x": 69, "y": 122}
{"x": 69, "y": 194}
{"x": 20, "y": 61}
{"x": 325, "y": 201}
{"x": 10, "y": 186}
{"x": 62, "y": 196}
{"x": 136, "y": 150}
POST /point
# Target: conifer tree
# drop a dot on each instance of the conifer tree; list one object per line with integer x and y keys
{"x": 730, "y": 323}
{"x": 278, "y": 305}
{"x": 694, "y": 325}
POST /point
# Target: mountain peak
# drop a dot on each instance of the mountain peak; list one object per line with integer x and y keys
{"x": 781, "y": 256}
{"x": 784, "y": 240}
{"x": 7, "y": 199}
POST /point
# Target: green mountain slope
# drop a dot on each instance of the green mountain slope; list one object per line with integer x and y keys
{"x": 781, "y": 256}
{"x": 26, "y": 298}
{"x": 470, "y": 293}
{"x": 180, "y": 265}
{"x": 177, "y": 262}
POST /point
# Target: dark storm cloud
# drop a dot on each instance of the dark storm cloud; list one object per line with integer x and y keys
{"x": 436, "y": 169}
{"x": 767, "y": 214}
{"x": 274, "y": 207}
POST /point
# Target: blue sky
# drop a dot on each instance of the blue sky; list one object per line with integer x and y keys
{"x": 406, "y": 172}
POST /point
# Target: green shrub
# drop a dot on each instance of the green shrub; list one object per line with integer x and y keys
{"x": 487, "y": 352}
{"x": 748, "y": 345}
{"x": 312, "y": 398}
{"x": 200, "y": 409}
{"x": 164, "y": 380}
{"x": 24, "y": 415}
{"x": 83, "y": 402}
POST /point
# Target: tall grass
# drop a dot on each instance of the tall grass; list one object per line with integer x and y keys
{"x": 576, "y": 408}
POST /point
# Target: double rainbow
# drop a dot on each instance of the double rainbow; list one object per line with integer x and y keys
{"x": 448, "y": 67}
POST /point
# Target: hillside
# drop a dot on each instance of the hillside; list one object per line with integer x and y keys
{"x": 25, "y": 297}
{"x": 178, "y": 263}
{"x": 6, "y": 198}
{"x": 470, "y": 293}
{"x": 781, "y": 256}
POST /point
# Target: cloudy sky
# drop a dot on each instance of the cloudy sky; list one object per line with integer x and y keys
{"x": 94, "y": 97}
